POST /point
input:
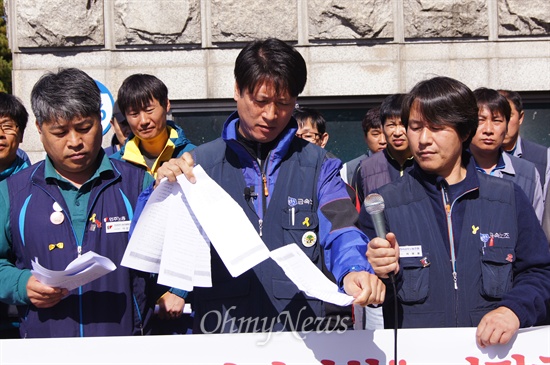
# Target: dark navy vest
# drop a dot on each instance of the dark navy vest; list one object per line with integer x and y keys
{"x": 525, "y": 176}
{"x": 263, "y": 298}
{"x": 538, "y": 155}
{"x": 486, "y": 252}
{"x": 374, "y": 173}
{"x": 114, "y": 304}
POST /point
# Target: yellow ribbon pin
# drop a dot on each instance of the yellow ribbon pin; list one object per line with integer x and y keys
{"x": 92, "y": 218}
{"x": 306, "y": 222}
{"x": 51, "y": 246}
{"x": 474, "y": 229}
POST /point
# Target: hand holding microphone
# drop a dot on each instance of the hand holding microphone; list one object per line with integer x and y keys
{"x": 383, "y": 254}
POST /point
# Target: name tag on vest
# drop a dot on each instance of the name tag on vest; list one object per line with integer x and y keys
{"x": 115, "y": 227}
{"x": 410, "y": 251}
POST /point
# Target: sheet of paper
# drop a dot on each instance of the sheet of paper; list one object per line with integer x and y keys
{"x": 307, "y": 277}
{"x": 80, "y": 271}
{"x": 202, "y": 275}
{"x": 144, "y": 249}
{"x": 185, "y": 260}
{"x": 225, "y": 223}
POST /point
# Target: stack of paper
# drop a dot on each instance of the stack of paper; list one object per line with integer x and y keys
{"x": 80, "y": 271}
{"x": 169, "y": 240}
{"x": 173, "y": 235}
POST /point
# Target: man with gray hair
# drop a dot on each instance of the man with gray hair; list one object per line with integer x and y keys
{"x": 74, "y": 201}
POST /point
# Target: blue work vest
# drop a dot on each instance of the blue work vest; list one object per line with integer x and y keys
{"x": 374, "y": 173}
{"x": 538, "y": 155}
{"x": 113, "y": 305}
{"x": 484, "y": 260}
{"x": 263, "y": 298}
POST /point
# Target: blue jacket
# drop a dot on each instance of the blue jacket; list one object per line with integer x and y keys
{"x": 114, "y": 304}
{"x": 493, "y": 254}
{"x": 17, "y": 165}
{"x": 301, "y": 183}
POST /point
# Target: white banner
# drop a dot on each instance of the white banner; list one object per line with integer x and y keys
{"x": 415, "y": 347}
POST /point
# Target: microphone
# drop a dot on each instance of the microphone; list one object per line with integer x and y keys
{"x": 374, "y": 205}
{"x": 249, "y": 192}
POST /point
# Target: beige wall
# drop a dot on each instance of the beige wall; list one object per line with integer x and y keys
{"x": 352, "y": 47}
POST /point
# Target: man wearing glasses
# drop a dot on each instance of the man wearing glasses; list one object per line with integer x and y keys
{"x": 13, "y": 120}
{"x": 311, "y": 126}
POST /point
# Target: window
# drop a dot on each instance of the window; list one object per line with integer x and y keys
{"x": 203, "y": 120}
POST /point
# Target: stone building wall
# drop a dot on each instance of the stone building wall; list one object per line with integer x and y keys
{"x": 352, "y": 47}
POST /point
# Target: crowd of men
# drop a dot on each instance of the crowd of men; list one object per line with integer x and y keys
{"x": 464, "y": 200}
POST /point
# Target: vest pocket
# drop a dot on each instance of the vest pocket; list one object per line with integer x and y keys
{"x": 300, "y": 226}
{"x": 414, "y": 280}
{"x": 496, "y": 271}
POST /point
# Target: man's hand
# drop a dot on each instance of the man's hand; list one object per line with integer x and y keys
{"x": 44, "y": 296}
{"x": 170, "y": 306}
{"x": 177, "y": 166}
{"x": 365, "y": 288}
{"x": 497, "y": 327}
{"x": 383, "y": 255}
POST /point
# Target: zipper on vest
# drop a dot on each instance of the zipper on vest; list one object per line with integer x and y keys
{"x": 138, "y": 311}
{"x": 264, "y": 181}
{"x": 263, "y": 167}
{"x": 447, "y": 205}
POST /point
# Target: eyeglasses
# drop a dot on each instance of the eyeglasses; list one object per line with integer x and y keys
{"x": 308, "y": 135}
{"x": 9, "y": 127}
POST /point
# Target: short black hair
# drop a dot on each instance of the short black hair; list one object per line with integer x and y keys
{"x": 371, "y": 120}
{"x": 446, "y": 102}
{"x": 514, "y": 97}
{"x": 493, "y": 100}
{"x": 304, "y": 114}
{"x": 117, "y": 114}
{"x": 138, "y": 90}
{"x": 270, "y": 60}
{"x": 11, "y": 107}
{"x": 391, "y": 107}
{"x": 66, "y": 94}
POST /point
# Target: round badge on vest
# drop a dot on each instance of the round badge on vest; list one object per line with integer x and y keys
{"x": 309, "y": 239}
{"x": 57, "y": 217}
{"x": 56, "y": 207}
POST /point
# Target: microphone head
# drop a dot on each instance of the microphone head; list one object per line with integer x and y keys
{"x": 374, "y": 203}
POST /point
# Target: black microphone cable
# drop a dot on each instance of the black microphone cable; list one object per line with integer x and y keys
{"x": 395, "y": 316}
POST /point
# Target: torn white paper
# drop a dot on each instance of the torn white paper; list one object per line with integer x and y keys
{"x": 307, "y": 277}
{"x": 144, "y": 249}
{"x": 225, "y": 223}
{"x": 185, "y": 249}
{"x": 80, "y": 271}
{"x": 168, "y": 240}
